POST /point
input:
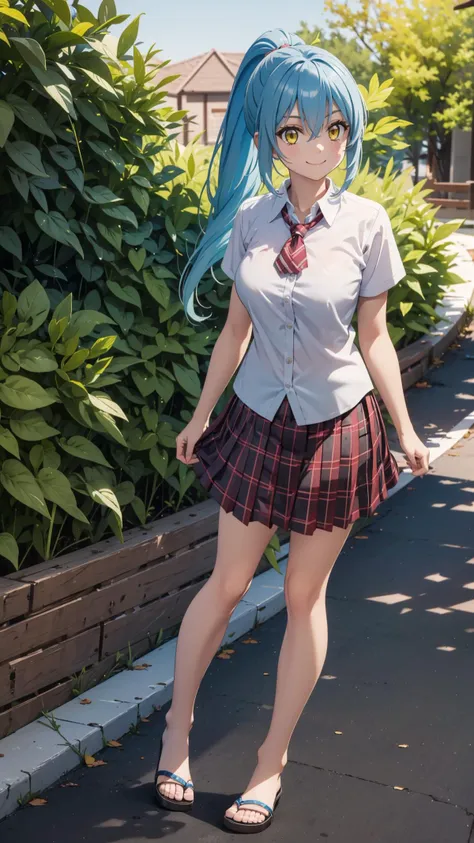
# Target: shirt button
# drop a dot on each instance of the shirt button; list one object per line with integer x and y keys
{"x": 287, "y": 298}
{"x": 289, "y": 325}
{"x": 289, "y": 359}
{"x": 287, "y": 385}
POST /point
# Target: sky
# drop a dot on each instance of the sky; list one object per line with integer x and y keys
{"x": 185, "y": 28}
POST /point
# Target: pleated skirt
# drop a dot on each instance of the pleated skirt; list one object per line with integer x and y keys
{"x": 298, "y": 477}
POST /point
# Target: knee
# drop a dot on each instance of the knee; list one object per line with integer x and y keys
{"x": 300, "y": 596}
{"x": 229, "y": 588}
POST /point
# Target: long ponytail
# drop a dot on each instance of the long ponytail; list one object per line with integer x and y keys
{"x": 239, "y": 175}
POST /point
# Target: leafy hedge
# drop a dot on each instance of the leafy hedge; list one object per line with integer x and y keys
{"x": 85, "y": 233}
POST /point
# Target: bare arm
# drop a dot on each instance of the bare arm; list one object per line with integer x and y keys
{"x": 227, "y": 354}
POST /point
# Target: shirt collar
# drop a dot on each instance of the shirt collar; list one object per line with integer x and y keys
{"x": 329, "y": 203}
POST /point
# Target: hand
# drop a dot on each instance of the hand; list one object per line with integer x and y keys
{"x": 186, "y": 440}
{"x": 417, "y": 454}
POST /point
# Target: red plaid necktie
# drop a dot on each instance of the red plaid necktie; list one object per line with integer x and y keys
{"x": 292, "y": 257}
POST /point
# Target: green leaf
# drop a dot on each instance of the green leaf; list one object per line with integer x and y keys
{"x": 76, "y": 360}
{"x": 91, "y": 113}
{"x": 83, "y": 449}
{"x": 102, "y": 402}
{"x": 88, "y": 271}
{"x": 83, "y": 322}
{"x": 26, "y": 156}
{"x": 109, "y": 154}
{"x": 128, "y": 294}
{"x": 9, "y": 549}
{"x": 99, "y": 81}
{"x": 58, "y": 228}
{"x": 40, "y": 197}
{"x": 111, "y": 233}
{"x": 29, "y": 115}
{"x": 33, "y": 303}
{"x": 61, "y": 9}
{"x": 121, "y": 212}
{"x": 20, "y": 181}
{"x": 30, "y": 51}
{"x": 110, "y": 427}
{"x": 77, "y": 178}
{"x": 20, "y": 483}
{"x": 8, "y": 441}
{"x": 62, "y": 156}
{"x": 57, "y": 488}
{"x": 10, "y": 241}
{"x": 32, "y": 427}
{"x": 38, "y": 359}
{"x": 157, "y": 288}
{"x": 101, "y": 195}
{"x": 187, "y": 379}
{"x": 137, "y": 258}
{"x": 24, "y": 394}
{"x": 57, "y": 89}
{"x": 7, "y": 119}
{"x": 128, "y": 37}
{"x": 107, "y": 10}
{"x": 101, "y": 346}
{"x": 141, "y": 197}
{"x": 14, "y": 14}
{"x": 139, "y": 69}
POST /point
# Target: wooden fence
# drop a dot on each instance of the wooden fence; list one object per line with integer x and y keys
{"x": 464, "y": 187}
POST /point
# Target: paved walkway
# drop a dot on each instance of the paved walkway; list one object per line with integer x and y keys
{"x": 401, "y": 661}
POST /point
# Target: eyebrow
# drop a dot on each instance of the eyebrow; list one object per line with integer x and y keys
{"x": 296, "y": 116}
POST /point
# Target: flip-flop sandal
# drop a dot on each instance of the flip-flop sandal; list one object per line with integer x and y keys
{"x": 166, "y": 802}
{"x": 251, "y": 828}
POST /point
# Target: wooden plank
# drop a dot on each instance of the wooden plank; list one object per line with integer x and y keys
{"x": 14, "y": 599}
{"x": 448, "y": 186}
{"x": 413, "y": 353}
{"x": 145, "y": 622}
{"x": 103, "y": 603}
{"x": 39, "y": 669}
{"x": 19, "y": 715}
{"x": 448, "y": 203}
{"x": 77, "y": 572}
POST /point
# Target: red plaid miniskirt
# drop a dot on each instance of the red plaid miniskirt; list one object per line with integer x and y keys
{"x": 298, "y": 477}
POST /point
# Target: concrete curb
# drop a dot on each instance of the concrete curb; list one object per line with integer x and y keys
{"x": 35, "y": 756}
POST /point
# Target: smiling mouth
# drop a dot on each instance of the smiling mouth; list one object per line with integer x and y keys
{"x": 318, "y": 164}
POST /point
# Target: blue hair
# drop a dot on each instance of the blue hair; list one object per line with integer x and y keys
{"x": 277, "y": 71}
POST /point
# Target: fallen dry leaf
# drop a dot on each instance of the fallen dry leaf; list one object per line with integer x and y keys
{"x": 222, "y": 656}
{"x": 361, "y": 537}
{"x": 69, "y": 784}
{"x": 402, "y": 745}
{"x": 142, "y": 757}
{"x": 336, "y": 732}
{"x": 145, "y": 719}
{"x": 89, "y": 760}
{"x": 37, "y": 801}
{"x": 250, "y": 641}
{"x": 422, "y": 385}
{"x": 328, "y": 676}
{"x": 266, "y": 674}
{"x": 99, "y": 763}
{"x": 398, "y": 787}
{"x": 141, "y": 666}
{"x": 85, "y": 701}
{"x": 114, "y": 743}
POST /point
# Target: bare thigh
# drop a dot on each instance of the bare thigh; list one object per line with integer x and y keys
{"x": 239, "y": 550}
{"x": 310, "y": 562}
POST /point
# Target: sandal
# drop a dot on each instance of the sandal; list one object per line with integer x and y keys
{"x": 250, "y": 828}
{"x": 164, "y": 801}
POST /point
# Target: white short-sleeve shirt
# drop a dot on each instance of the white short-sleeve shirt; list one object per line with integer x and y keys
{"x": 303, "y": 342}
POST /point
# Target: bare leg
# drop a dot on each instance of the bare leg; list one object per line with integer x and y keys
{"x": 302, "y": 655}
{"x": 239, "y": 550}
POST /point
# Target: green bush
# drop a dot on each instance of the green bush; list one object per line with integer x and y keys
{"x": 82, "y": 219}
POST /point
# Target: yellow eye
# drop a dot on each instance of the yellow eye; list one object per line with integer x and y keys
{"x": 336, "y": 131}
{"x": 290, "y": 136}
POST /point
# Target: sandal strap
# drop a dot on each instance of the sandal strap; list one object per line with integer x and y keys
{"x": 239, "y": 801}
{"x": 174, "y": 776}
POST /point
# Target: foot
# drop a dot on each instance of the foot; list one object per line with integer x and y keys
{"x": 175, "y": 757}
{"x": 265, "y": 791}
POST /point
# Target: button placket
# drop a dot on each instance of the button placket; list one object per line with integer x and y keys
{"x": 289, "y": 316}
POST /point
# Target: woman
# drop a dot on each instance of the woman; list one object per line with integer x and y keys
{"x": 301, "y": 444}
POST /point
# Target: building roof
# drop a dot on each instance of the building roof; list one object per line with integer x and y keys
{"x": 220, "y": 73}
